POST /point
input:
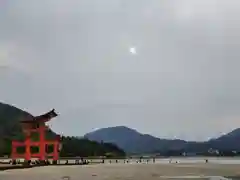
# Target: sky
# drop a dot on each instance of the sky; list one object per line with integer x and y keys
{"x": 182, "y": 81}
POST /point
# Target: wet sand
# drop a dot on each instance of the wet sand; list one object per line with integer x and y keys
{"x": 124, "y": 172}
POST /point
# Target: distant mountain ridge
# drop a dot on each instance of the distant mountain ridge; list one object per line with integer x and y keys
{"x": 134, "y": 142}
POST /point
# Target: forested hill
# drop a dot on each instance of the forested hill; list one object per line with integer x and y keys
{"x": 10, "y": 118}
{"x": 133, "y": 141}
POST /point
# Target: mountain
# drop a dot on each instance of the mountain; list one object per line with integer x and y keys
{"x": 9, "y": 124}
{"x": 134, "y": 142}
{"x": 10, "y": 118}
{"x": 228, "y": 141}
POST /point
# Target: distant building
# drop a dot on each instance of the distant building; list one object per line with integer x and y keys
{"x": 213, "y": 151}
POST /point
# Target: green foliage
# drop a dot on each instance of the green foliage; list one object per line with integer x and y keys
{"x": 71, "y": 146}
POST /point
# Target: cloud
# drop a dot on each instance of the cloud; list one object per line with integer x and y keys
{"x": 74, "y": 56}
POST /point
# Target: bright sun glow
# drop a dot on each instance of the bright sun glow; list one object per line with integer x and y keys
{"x": 132, "y": 50}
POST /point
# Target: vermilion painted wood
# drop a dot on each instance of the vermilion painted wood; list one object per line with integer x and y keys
{"x": 36, "y": 125}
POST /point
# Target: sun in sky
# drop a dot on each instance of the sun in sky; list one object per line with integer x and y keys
{"x": 132, "y": 50}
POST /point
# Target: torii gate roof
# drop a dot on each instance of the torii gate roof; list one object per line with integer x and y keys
{"x": 42, "y": 118}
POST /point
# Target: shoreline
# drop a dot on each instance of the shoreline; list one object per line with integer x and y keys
{"x": 126, "y": 171}
{"x": 182, "y": 162}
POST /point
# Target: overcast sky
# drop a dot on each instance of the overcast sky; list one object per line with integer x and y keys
{"x": 73, "y": 55}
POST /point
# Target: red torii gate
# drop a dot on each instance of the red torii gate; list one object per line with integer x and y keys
{"x": 37, "y": 125}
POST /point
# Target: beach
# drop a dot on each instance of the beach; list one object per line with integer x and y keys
{"x": 132, "y": 171}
